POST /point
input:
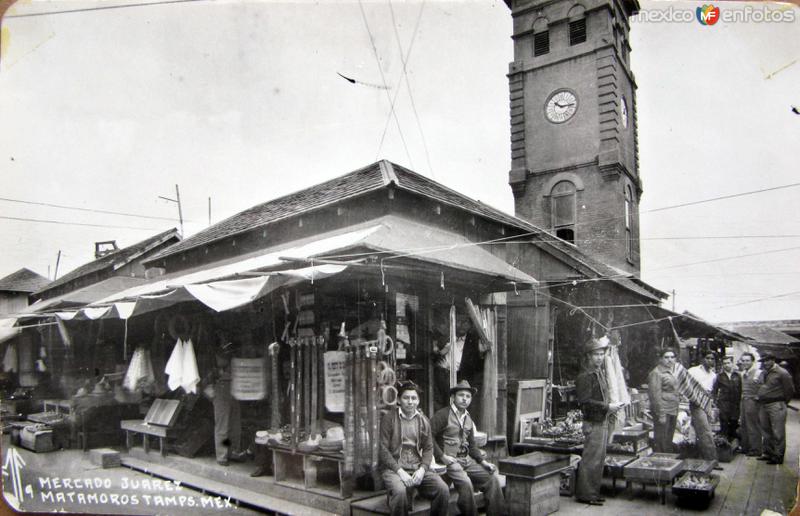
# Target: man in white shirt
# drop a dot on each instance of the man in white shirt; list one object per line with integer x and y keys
{"x": 705, "y": 376}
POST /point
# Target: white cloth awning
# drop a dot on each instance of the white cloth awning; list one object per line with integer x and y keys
{"x": 7, "y": 329}
{"x": 238, "y": 281}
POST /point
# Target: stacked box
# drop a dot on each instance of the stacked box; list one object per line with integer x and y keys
{"x": 105, "y": 458}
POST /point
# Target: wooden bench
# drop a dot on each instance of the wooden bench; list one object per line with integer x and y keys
{"x": 420, "y": 506}
{"x": 156, "y": 423}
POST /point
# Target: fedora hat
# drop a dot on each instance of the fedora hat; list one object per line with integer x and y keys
{"x": 766, "y": 356}
{"x": 463, "y": 385}
{"x": 595, "y": 344}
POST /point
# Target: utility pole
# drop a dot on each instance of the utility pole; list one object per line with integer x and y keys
{"x": 209, "y": 211}
{"x": 58, "y": 259}
{"x": 673, "y": 299}
{"x": 176, "y": 200}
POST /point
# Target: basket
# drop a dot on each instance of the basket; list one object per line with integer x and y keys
{"x": 696, "y": 496}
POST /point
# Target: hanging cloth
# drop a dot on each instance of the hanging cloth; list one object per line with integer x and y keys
{"x": 617, "y": 388}
{"x": 140, "y": 371}
{"x": 688, "y": 386}
{"x": 189, "y": 374}
{"x": 175, "y": 366}
{"x": 10, "y": 359}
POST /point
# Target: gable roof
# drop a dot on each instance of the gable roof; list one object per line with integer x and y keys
{"x": 381, "y": 175}
{"x": 761, "y": 334}
{"x": 23, "y": 280}
{"x": 115, "y": 260}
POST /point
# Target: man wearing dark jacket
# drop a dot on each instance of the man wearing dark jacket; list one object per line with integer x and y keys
{"x": 454, "y": 446}
{"x": 728, "y": 394}
{"x": 775, "y": 391}
{"x": 591, "y": 388}
{"x": 406, "y": 452}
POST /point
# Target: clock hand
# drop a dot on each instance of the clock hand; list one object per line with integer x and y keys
{"x": 559, "y": 104}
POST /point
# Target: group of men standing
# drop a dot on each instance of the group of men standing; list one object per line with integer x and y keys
{"x": 752, "y": 404}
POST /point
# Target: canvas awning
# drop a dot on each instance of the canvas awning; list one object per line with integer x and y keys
{"x": 238, "y": 281}
{"x": 7, "y": 329}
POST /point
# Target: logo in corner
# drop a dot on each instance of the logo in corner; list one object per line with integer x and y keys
{"x": 707, "y": 14}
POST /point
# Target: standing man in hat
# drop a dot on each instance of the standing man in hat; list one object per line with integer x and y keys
{"x": 405, "y": 455}
{"x": 227, "y": 413}
{"x": 592, "y": 391}
{"x": 454, "y": 446}
{"x": 749, "y": 427}
{"x": 728, "y": 395}
{"x": 705, "y": 376}
{"x": 775, "y": 391}
{"x": 664, "y": 400}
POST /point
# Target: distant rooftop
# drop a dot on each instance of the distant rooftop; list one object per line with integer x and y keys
{"x": 24, "y": 280}
{"x": 114, "y": 259}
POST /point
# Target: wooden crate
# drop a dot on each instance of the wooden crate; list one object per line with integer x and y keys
{"x": 105, "y": 457}
{"x": 531, "y": 497}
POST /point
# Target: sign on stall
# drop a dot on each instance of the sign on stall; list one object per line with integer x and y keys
{"x": 248, "y": 379}
{"x": 334, "y": 380}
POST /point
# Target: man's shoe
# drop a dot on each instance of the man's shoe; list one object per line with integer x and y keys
{"x": 237, "y": 457}
{"x": 590, "y": 502}
{"x": 600, "y": 499}
{"x": 260, "y": 472}
{"x": 764, "y": 457}
{"x": 774, "y": 461}
{"x": 753, "y": 454}
{"x": 222, "y": 462}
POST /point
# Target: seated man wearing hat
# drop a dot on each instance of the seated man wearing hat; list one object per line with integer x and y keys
{"x": 774, "y": 392}
{"x": 591, "y": 388}
{"x": 406, "y": 452}
{"x": 454, "y": 446}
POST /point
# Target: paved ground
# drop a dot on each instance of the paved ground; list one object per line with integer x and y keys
{"x": 747, "y": 487}
{"x": 67, "y": 481}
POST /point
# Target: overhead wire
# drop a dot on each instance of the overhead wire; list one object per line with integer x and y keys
{"x": 92, "y": 210}
{"x": 47, "y": 221}
{"x": 392, "y": 111}
{"x": 102, "y": 8}
{"x": 404, "y": 61}
{"x": 731, "y": 196}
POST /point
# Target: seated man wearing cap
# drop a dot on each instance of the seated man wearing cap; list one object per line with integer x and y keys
{"x": 774, "y": 392}
{"x": 591, "y": 388}
{"x": 454, "y": 446}
{"x": 406, "y": 452}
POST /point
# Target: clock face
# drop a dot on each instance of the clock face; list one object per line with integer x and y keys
{"x": 623, "y": 111}
{"x": 561, "y": 106}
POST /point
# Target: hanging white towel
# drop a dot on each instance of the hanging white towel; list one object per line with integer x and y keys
{"x": 174, "y": 366}
{"x": 10, "y": 359}
{"x": 189, "y": 375}
{"x": 140, "y": 371}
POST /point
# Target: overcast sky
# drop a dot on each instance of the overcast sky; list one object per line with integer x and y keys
{"x": 241, "y": 102}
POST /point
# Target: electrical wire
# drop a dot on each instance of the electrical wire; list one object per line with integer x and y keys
{"x": 103, "y": 8}
{"x": 23, "y": 219}
{"x": 404, "y": 60}
{"x": 93, "y": 210}
{"x": 787, "y": 294}
{"x": 383, "y": 81}
{"x": 731, "y": 196}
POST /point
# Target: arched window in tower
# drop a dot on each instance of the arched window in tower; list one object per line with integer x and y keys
{"x": 629, "y": 222}
{"x": 541, "y": 37}
{"x": 577, "y": 25}
{"x": 562, "y": 204}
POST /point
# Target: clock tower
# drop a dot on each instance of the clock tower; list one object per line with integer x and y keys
{"x": 574, "y": 155}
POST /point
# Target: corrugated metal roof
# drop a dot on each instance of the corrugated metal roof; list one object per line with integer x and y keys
{"x": 113, "y": 260}
{"x": 23, "y": 280}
